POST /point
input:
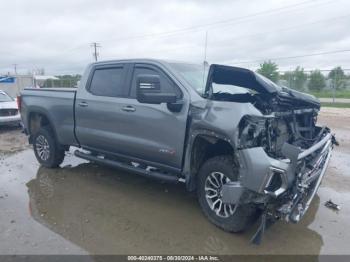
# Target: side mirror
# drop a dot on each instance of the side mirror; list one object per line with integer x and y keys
{"x": 148, "y": 91}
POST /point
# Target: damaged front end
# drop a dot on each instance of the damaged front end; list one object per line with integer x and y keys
{"x": 283, "y": 154}
{"x": 282, "y": 178}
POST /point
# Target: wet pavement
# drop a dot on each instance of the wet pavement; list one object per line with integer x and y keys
{"x": 83, "y": 208}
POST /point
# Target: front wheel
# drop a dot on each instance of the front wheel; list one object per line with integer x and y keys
{"x": 47, "y": 150}
{"x": 213, "y": 174}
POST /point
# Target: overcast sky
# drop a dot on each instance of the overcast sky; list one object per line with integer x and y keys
{"x": 56, "y": 35}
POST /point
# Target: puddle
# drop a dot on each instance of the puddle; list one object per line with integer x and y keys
{"x": 83, "y": 207}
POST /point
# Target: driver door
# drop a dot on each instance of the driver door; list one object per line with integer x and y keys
{"x": 153, "y": 132}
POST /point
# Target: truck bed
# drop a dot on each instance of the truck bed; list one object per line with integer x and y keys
{"x": 57, "y": 104}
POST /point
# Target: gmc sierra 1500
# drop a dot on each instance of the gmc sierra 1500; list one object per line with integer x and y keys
{"x": 249, "y": 147}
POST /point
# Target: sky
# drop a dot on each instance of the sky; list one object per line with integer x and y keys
{"x": 57, "y": 35}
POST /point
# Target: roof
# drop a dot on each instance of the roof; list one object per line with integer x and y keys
{"x": 142, "y": 60}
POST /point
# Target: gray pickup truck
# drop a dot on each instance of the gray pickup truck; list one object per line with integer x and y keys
{"x": 250, "y": 148}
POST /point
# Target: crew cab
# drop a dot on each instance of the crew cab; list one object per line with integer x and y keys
{"x": 249, "y": 148}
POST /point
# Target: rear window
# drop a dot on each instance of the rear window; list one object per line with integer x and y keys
{"x": 5, "y": 98}
{"x": 107, "y": 82}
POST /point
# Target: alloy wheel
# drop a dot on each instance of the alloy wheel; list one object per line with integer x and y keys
{"x": 213, "y": 194}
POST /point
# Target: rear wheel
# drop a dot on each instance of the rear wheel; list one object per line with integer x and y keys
{"x": 214, "y": 173}
{"x": 47, "y": 150}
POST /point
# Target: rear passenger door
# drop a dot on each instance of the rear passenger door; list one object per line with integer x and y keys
{"x": 155, "y": 132}
{"x": 99, "y": 115}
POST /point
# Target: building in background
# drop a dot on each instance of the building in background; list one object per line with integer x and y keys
{"x": 14, "y": 84}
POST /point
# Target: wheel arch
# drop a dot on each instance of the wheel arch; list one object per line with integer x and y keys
{"x": 204, "y": 144}
{"x": 36, "y": 120}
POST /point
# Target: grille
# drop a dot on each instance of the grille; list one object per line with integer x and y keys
{"x": 8, "y": 112}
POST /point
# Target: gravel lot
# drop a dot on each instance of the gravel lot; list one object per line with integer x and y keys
{"x": 83, "y": 208}
{"x": 12, "y": 140}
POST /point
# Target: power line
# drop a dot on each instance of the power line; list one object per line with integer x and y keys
{"x": 200, "y": 26}
{"x": 95, "y": 52}
{"x": 213, "y": 24}
{"x": 282, "y": 11}
{"x": 293, "y": 57}
{"x": 283, "y": 29}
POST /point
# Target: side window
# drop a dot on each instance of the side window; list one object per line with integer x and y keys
{"x": 107, "y": 82}
{"x": 166, "y": 84}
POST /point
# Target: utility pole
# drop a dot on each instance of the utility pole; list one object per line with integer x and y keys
{"x": 95, "y": 52}
{"x": 15, "y": 67}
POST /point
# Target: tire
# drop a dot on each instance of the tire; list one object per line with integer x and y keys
{"x": 231, "y": 218}
{"x": 47, "y": 150}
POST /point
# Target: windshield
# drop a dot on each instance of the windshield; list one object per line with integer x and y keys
{"x": 195, "y": 75}
{"x": 5, "y": 98}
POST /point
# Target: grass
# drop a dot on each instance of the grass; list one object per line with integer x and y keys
{"x": 329, "y": 93}
{"x": 338, "y": 105}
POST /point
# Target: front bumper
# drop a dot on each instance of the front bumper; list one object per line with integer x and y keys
{"x": 10, "y": 120}
{"x": 290, "y": 183}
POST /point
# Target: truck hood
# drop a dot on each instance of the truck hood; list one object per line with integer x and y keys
{"x": 236, "y": 76}
{"x": 297, "y": 96}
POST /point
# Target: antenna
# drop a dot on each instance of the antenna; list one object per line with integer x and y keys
{"x": 205, "y": 46}
{"x": 205, "y": 63}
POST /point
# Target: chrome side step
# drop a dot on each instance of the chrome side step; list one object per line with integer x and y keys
{"x": 129, "y": 168}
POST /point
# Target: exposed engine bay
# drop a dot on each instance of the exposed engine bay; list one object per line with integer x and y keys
{"x": 296, "y": 127}
{"x": 289, "y": 116}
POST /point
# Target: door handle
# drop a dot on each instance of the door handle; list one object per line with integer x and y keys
{"x": 83, "y": 104}
{"x": 128, "y": 109}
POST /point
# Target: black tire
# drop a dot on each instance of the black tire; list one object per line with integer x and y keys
{"x": 234, "y": 218}
{"x": 53, "y": 154}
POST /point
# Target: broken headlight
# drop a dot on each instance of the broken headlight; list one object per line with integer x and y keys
{"x": 254, "y": 131}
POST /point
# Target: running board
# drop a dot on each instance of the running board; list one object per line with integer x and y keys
{"x": 126, "y": 167}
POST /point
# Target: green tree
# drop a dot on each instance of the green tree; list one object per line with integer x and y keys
{"x": 338, "y": 77}
{"x": 300, "y": 78}
{"x": 269, "y": 69}
{"x": 317, "y": 81}
{"x": 296, "y": 79}
{"x": 64, "y": 81}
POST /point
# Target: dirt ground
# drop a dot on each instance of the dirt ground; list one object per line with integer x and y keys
{"x": 82, "y": 208}
{"x": 12, "y": 139}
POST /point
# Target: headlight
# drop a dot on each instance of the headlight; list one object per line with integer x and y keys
{"x": 253, "y": 132}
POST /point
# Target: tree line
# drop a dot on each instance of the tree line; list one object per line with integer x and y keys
{"x": 298, "y": 78}
{"x": 63, "y": 81}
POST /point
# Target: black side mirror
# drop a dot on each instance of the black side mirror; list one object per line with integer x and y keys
{"x": 148, "y": 90}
